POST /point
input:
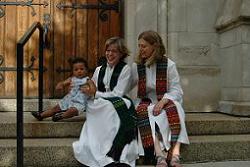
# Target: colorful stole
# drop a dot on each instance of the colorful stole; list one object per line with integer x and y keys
{"x": 144, "y": 127}
{"x": 170, "y": 108}
{"x": 114, "y": 77}
{"x": 128, "y": 129}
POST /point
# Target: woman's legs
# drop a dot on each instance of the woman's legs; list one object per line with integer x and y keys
{"x": 176, "y": 149}
{"x": 160, "y": 155}
{"x": 158, "y": 151}
{"x": 175, "y": 158}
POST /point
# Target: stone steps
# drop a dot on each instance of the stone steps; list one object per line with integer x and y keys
{"x": 207, "y": 148}
{"x": 216, "y": 123}
{"x": 213, "y": 137}
{"x": 197, "y": 124}
{"x": 58, "y": 151}
{"x": 39, "y": 152}
{"x": 28, "y": 104}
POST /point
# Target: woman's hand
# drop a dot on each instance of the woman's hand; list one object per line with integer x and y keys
{"x": 89, "y": 88}
{"x": 159, "y": 106}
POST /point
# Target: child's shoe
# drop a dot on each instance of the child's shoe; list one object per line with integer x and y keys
{"x": 37, "y": 115}
{"x": 57, "y": 117}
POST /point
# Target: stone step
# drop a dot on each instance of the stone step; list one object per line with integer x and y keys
{"x": 207, "y": 148}
{"x": 216, "y": 123}
{"x": 58, "y": 151}
{"x": 197, "y": 124}
{"x": 39, "y": 152}
{"x": 40, "y": 129}
{"x": 28, "y": 104}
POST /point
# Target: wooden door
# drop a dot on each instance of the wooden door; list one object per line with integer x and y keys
{"x": 71, "y": 32}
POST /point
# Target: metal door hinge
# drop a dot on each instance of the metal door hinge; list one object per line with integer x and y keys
{"x": 28, "y": 3}
{"x": 101, "y": 5}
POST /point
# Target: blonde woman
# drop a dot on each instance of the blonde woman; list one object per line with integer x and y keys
{"x": 161, "y": 119}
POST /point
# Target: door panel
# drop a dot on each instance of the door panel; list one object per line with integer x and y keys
{"x": 10, "y": 38}
{"x": 78, "y": 32}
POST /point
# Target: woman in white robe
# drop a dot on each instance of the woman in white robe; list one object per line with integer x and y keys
{"x": 146, "y": 73}
{"x": 100, "y": 132}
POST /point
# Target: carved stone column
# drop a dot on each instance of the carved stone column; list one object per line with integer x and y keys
{"x": 233, "y": 26}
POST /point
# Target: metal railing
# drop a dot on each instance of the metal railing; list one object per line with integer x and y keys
{"x": 20, "y": 69}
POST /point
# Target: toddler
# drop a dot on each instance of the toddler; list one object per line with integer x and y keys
{"x": 75, "y": 101}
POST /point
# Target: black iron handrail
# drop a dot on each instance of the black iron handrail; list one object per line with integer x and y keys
{"x": 19, "y": 102}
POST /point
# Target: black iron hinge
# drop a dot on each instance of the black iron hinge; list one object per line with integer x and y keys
{"x": 29, "y": 68}
{"x": 28, "y": 3}
{"x": 101, "y": 5}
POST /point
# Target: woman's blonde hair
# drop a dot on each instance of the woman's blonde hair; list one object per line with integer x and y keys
{"x": 153, "y": 38}
{"x": 119, "y": 42}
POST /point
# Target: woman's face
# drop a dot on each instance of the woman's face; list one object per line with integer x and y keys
{"x": 145, "y": 49}
{"x": 113, "y": 55}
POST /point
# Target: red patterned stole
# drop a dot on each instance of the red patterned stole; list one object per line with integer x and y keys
{"x": 143, "y": 123}
{"x": 170, "y": 108}
{"x": 173, "y": 119}
{"x": 161, "y": 78}
{"x": 142, "y": 81}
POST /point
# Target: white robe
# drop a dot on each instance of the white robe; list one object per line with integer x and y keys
{"x": 174, "y": 93}
{"x": 102, "y": 125}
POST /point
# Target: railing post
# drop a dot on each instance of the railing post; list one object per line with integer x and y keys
{"x": 19, "y": 103}
{"x": 40, "y": 82}
{"x": 19, "y": 106}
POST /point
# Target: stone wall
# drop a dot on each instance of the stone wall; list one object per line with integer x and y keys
{"x": 188, "y": 29}
{"x": 233, "y": 25}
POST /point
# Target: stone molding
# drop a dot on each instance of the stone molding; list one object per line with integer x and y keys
{"x": 234, "y": 48}
{"x": 233, "y": 14}
{"x": 235, "y": 108}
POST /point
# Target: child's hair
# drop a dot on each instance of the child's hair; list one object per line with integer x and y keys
{"x": 75, "y": 60}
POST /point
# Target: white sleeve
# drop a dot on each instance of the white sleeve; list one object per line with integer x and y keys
{"x": 175, "y": 92}
{"x": 95, "y": 75}
{"x": 122, "y": 86}
{"x": 134, "y": 76}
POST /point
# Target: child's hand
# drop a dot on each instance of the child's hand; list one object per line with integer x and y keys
{"x": 71, "y": 85}
{"x": 60, "y": 86}
{"x": 64, "y": 84}
{"x": 89, "y": 88}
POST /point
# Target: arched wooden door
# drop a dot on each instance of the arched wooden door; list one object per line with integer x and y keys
{"x": 75, "y": 28}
